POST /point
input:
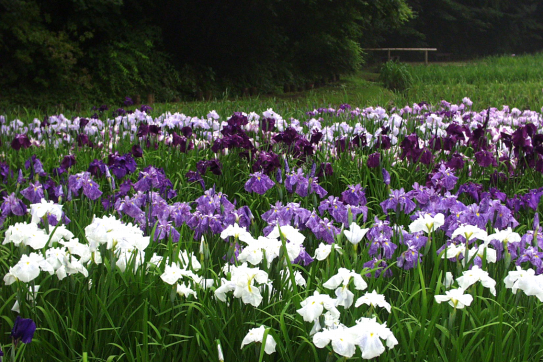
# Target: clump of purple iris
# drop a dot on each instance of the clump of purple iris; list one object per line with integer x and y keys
{"x": 120, "y": 166}
{"x": 84, "y": 181}
{"x": 13, "y": 205}
{"x": 35, "y": 166}
{"x": 304, "y": 185}
{"x": 152, "y": 177}
{"x": 444, "y": 178}
{"x": 128, "y": 101}
{"x": 213, "y": 165}
{"x": 398, "y": 201}
{"x": 259, "y": 183}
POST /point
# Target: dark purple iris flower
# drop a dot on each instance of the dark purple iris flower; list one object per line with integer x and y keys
{"x": 128, "y": 101}
{"x": 259, "y": 183}
{"x": 23, "y": 330}
{"x": 288, "y": 136}
{"x": 5, "y": 172}
{"x": 121, "y": 166}
{"x": 374, "y": 160}
{"x": 67, "y": 162}
{"x": 119, "y": 112}
{"x": 137, "y": 151}
{"x": 83, "y": 139}
{"x": 97, "y": 168}
{"x": 267, "y": 124}
{"x": 214, "y": 166}
{"x": 20, "y": 141}
{"x": 266, "y": 162}
{"x": 325, "y": 169}
{"x": 145, "y": 108}
{"x": 485, "y": 159}
{"x": 456, "y": 162}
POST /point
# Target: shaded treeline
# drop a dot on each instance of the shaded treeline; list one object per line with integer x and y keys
{"x": 466, "y": 28}
{"x": 98, "y": 50}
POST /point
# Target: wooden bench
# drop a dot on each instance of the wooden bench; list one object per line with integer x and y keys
{"x": 425, "y": 50}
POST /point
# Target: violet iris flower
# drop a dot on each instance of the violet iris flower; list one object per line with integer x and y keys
{"x": 33, "y": 193}
{"x": 259, "y": 183}
{"x": 23, "y": 330}
{"x": 13, "y": 205}
{"x": 399, "y": 200}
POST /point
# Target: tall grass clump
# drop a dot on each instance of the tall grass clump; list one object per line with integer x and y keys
{"x": 396, "y": 76}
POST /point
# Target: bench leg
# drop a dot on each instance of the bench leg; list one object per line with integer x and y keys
{"x": 426, "y": 57}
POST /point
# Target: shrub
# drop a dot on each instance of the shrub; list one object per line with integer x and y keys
{"x": 395, "y": 76}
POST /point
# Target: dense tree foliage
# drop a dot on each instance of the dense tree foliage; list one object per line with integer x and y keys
{"x": 71, "y": 51}
{"x": 468, "y": 28}
{"x": 90, "y": 50}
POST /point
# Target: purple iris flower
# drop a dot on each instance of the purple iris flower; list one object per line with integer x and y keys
{"x": 445, "y": 178}
{"x": 409, "y": 258}
{"x": 33, "y": 193}
{"x": 386, "y": 176}
{"x": 259, "y": 183}
{"x": 354, "y": 195}
{"x": 378, "y": 263}
{"x": 97, "y": 168}
{"x": 243, "y": 217}
{"x": 5, "y": 172}
{"x": 326, "y": 231}
{"x": 193, "y": 176}
{"x": 84, "y": 180}
{"x": 20, "y": 141}
{"x": 128, "y": 101}
{"x": 533, "y": 256}
{"x": 399, "y": 200}
{"x": 23, "y": 330}
{"x": 374, "y": 160}
{"x": 13, "y": 205}
{"x": 128, "y": 207}
{"x": 35, "y": 166}
{"x": 67, "y": 162}
{"x": 164, "y": 230}
{"x": 303, "y": 258}
{"x": 180, "y": 213}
